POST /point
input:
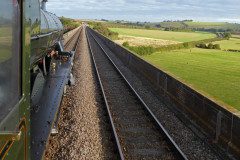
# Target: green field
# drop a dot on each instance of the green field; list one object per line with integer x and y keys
{"x": 214, "y": 73}
{"x": 165, "y": 35}
{"x": 232, "y": 43}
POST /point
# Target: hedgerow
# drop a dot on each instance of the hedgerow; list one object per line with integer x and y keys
{"x": 147, "y": 50}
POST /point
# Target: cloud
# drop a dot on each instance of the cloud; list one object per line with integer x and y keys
{"x": 148, "y": 10}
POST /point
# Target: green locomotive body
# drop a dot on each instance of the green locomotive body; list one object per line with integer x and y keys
{"x": 28, "y": 33}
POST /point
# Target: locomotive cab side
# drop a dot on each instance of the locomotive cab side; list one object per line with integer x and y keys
{"x": 28, "y": 37}
{"x": 14, "y": 102}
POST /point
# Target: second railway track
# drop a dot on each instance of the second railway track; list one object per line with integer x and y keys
{"x": 138, "y": 133}
{"x": 71, "y": 44}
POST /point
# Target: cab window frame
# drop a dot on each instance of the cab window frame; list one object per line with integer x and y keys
{"x": 12, "y": 89}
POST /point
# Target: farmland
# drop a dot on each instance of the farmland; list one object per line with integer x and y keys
{"x": 232, "y": 43}
{"x": 141, "y": 41}
{"x": 214, "y": 73}
{"x": 165, "y": 35}
{"x": 236, "y": 36}
{"x": 206, "y": 24}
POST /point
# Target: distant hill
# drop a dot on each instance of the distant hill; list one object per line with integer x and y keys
{"x": 181, "y": 26}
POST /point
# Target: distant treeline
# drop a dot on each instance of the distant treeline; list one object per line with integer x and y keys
{"x": 213, "y": 27}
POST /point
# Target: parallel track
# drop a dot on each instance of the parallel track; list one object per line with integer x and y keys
{"x": 74, "y": 38}
{"x": 138, "y": 133}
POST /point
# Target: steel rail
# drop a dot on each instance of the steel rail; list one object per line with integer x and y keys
{"x": 106, "y": 102}
{"x": 164, "y": 132}
{"x": 78, "y": 33}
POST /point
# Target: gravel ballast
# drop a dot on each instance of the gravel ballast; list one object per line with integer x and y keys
{"x": 84, "y": 130}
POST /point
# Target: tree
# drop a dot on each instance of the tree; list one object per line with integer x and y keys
{"x": 210, "y": 46}
{"x": 147, "y": 27}
{"x": 227, "y": 35}
{"x": 202, "y": 45}
{"x": 216, "y": 46}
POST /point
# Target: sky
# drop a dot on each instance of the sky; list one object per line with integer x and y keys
{"x": 148, "y": 10}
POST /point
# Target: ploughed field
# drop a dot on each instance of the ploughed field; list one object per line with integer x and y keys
{"x": 164, "y": 35}
{"x": 214, "y": 73}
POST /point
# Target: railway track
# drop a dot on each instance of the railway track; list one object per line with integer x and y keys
{"x": 70, "y": 46}
{"x": 138, "y": 133}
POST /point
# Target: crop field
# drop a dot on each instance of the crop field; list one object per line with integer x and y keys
{"x": 232, "y": 43}
{"x": 4, "y": 54}
{"x": 205, "y": 24}
{"x": 4, "y": 31}
{"x": 142, "y": 41}
{"x": 164, "y": 35}
{"x": 214, "y": 73}
{"x": 5, "y": 39}
{"x": 236, "y": 36}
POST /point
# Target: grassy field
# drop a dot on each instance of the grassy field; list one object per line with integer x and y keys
{"x": 165, "y": 35}
{"x": 214, "y": 73}
{"x": 233, "y": 43}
